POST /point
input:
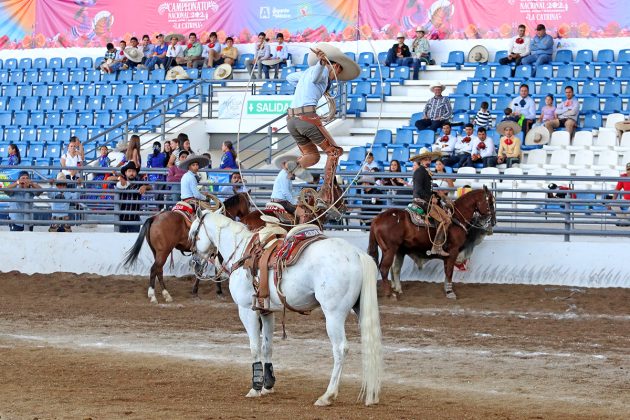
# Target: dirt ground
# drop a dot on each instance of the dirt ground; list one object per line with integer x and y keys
{"x": 94, "y": 347}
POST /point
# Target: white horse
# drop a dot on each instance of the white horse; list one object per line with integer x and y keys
{"x": 331, "y": 273}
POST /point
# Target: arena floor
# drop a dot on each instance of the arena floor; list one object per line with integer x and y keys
{"x": 93, "y": 347}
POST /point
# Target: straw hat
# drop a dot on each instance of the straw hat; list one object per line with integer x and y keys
{"x": 200, "y": 159}
{"x": 504, "y": 124}
{"x": 133, "y": 54}
{"x": 536, "y": 136}
{"x": 179, "y": 37}
{"x": 478, "y": 54}
{"x": 177, "y": 73}
{"x": 278, "y": 161}
{"x": 270, "y": 219}
{"x": 293, "y": 167}
{"x": 351, "y": 70}
{"x": 420, "y": 29}
{"x": 400, "y": 35}
{"x": 223, "y": 71}
{"x": 425, "y": 153}
{"x": 436, "y": 84}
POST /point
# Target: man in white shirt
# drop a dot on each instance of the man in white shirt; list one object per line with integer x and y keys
{"x": 446, "y": 142}
{"x": 566, "y": 113}
{"x": 483, "y": 149}
{"x": 279, "y": 52}
{"x": 174, "y": 50}
{"x": 282, "y": 192}
{"x": 519, "y": 48}
{"x": 524, "y": 106}
{"x": 463, "y": 149}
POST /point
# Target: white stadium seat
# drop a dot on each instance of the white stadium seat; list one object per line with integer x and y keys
{"x": 607, "y": 160}
{"x": 612, "y": 119}
{"x": 584, "y": 172}
{"x": 535, "y": 159}
{"x": 583, "y": 159}
{"x": 559, "y": 159}
{"x": 605, "y": 140}
{"x": 582, "y": 140}
{"x": 466, "y": 170}
{"x": 560, "y": 172}
{"x": 559, "y": 140}
{"x": 609, "y": 173}
{"x": 624, "y": 144}
{"x": 513, "y": 171}
{"x": 487, "y": 171}
{"x": 537, "y": 172}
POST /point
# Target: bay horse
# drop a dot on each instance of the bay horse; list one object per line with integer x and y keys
{"x": 330, "y": 273}
{"x": 167, "y": 231}
{"x": 395, "y": 234}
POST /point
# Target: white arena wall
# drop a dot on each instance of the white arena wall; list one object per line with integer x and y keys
{"x": 500, "y": 259}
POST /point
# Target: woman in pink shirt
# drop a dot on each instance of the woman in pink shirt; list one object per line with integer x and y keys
{"x": 548, "y": 112}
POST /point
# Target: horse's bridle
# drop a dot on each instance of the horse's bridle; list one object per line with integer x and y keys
{"x": 486, "y": 220}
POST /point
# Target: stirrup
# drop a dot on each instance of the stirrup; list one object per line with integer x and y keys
{"x": 438, "y": 251}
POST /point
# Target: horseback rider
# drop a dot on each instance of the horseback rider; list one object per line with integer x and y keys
{"x": 190, "y": 182}
{"x": 327, "y": 64}
{"x": 282, "y": 192}
{"x": 425, "y": 201}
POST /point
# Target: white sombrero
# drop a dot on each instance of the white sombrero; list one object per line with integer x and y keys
{"x": 350, "y": 69}
{"x": 536, "y": 136}
{"x": 425, "y": 153}
{"x": 504, "y": 124}
{"x": 293, "y": 167}
{"x": 478, "y": 54}
{"x": 278, "y": 161}
{"x": 200, "y": 159}
{"x": 270, "y": 219}
{"x": 177, "y": 73}
{"x": 271, "y": 61}
{"x": 223, "y": 71}
{"x": 133, "y": 54}
{"x": 179, "y": 37}
{"x": 400, "y": 35}
{"x": 436, "y": 84}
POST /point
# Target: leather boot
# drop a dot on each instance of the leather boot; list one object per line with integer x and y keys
{"x": 333, "y": 153}
{"x": 310, "y": 155}
{"x": 438, "y": 243}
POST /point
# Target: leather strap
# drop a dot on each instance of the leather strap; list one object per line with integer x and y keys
{"x": 308, "y": 109}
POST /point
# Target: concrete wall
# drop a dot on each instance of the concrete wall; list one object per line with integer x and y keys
{"x": 500, "y": 259}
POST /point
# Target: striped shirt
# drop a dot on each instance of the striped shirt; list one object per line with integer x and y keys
{"x": 483, "y": 119}
{"x": 438, "y": 108}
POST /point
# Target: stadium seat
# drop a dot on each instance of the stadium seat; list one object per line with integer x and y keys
{"x": 463, "y": 88}
{"x": 285, "y": 71}
{"x": 137, "y": 89}
{"x": 70, "y": 63}
{"x": 152, "y": 89}
{"x": 585, "y": 72}
{"x": 462, "y": 104}
{"x": 16, "y": 76}
{"x": 559, "y": 140}
{"x": 400, "y": 74}
{"x": 86, "y": 63}
{"x": 611, "y": 88}
{"x": 484, "y": 88}
{"x": 505, "y": 88}
{"x": 6, "y": 119}
{"x": 366, "y": 59}
{"x": 55, "y": 63}
{"x": 482, "y": 72}
{"x": 179, "y": 105}
{"x": 584, "y": 56}
{"x": 20, "y": 118}
{"x": 53, "y": 149}
{"x": 425, "y": 137}
{"x": 64, "y": 134}
{"x": 128, "y": 103}
{"x": 357, "y": 105}
{"x": 92, "y": 76}
{"x": 126, "y": 76}
{"x": 563, "y": 57}
{"x": 380, "y": 154}
{"x": 363, "y": 88}
{"x": 612, "y": 105}
{"x": 39, "y": 63}
{"x": 498, "y": 56}
{"x": 53, "y": 118}
{"x": 622, "y": 58}
{"x": 624, "y": 143}
{"x": 62, "y": 103}
{"x": 37, "y": 118}
{"x": 607, "y": 72}
{"x": 111, "y": 103}
{"x": 381, "y": 58}
{"x": 605, "y": 140}
{"x": 383, "y": 137}
{"x": 56, "y": 90}
{"x": 502, "y": 73}
{"x": 455, "y": 59}
{"x": 546, "y": 88}
{"x": 499, "y": 107}
{"x": 46, "y": 135}
{"x": 604, "y": 57}
{"x": 242, "y": 59}
{"x": 157, "y": 75}
{"x": 401, "y": 154}
{"x": 356, "y": 155}
{"x": 62, "y": 76}
{"x": 146, "y": 102}
{"x": 381, "y": 89}
{"x": 77, "y": 76}
{"x": 15, "y": 104}
{"x": 69, "y": 118}
{"x": 12, "y": 135}
{"x": 119, "y": 117}
{"x": 606, "y": 160}
{"x": 81, "y": 133}
{"x": 94, "y": 103}
{"x": 523, "y": 72}
{"x": 78, "y": 103}
{"x": 583, "y": 159}
{"x": 590, "y": 105}
{"x": 10, "y": 64}
{"x": 31, "y": 76}
{"x": 103, "y": 119}
{"x": 36, "y": 149}
{"x": 543, "y": 73}
{"x": 267, "y": 88}
{"x": 590, "y": 88}
{"x": 582, "y": 140}
{"x": 404, "y": 137}
{"x": 564, "y": 72}
{"x": 461, "y": 117}
{"x": 89, "y": 90}
{"x": 592, "y": 121}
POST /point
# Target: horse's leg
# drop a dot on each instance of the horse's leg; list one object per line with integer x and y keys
{"x": 386, "y": 263}
{"x": 195, "y": 287}
{"x": 337, "y": 334}
{"x": 152, "y": 276}
{"x": 250, "y": 320}
{"x": 449, "y": 265}
{"x": 218, "y": 283}
{"x": 268, "y": 322}
{"x": 163, "y": 256}
{"x": 395, "y": 270}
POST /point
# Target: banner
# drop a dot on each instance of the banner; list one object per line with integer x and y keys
{"x": 93, "y": 23}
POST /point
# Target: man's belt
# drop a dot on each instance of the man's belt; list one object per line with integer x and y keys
{"x": 309, "y": 109}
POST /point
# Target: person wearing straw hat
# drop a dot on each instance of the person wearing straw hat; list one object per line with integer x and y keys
{"x": 133, "y": 53}
{"x": 398, "y": 52}
{"x": 519, "y": 48}
{"x": 420, "y": 52}
{"x": 189, "y": 183}
{"x": 510, "y": 144}
{"x": 425, "y": 201}
{"x": 282, "y": 192}
{"x": 327, "y": 64}
{"x": 437, "y": 111}
{"x": 174, "y": 50}
{"x": 192, "y": 54}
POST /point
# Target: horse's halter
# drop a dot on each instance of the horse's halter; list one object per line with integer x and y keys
{"x": 485, "y": 220}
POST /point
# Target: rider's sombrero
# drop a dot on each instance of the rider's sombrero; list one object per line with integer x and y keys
{"x": 133, "y": 54}
{"x": 293, "y": 167}
{"x": 436, "y": 84}
{"x": 425, "y": 153}
{"x": 200, "y": 159}
{"x": 505, "y": 124}
{"x": 278, "y": 161}
{"x": 350, "y": 69}
{"x": 129, "y": 165}
{"x": 223, "y": 71}
{"x": 270, "y": 219}
{"x": 179, "y": 37}
{"x": 536, "y": 136}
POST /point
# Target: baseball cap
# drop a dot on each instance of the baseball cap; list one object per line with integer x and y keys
{"x": 540, "y": 27}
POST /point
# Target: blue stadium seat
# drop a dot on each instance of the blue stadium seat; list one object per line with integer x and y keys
{"x": 140, "y": 75}
{"x": 106, "y": 90}
{"x": 590, "y": 88}
{"x": 484, "y": 89}
{"x": 607, "y": 72}
{"x": 590, "y": 105}
{"x": 455, "y": 59}
{"x": 73, "y": 90}
{"x": 69, "y": 118}
{"x": 381, "y": 58}
{"x": 401, "y": 154}
{"x": 572, "y": 83}
{"x": 89, "y": 90}
{"x": 502, "y": 103}
{"x": 36, "y": 149}
{"x": 592, "y": 121}
{"x": 286, "y": 89}
{"x": 56, "y": 90}
{"x": 31, "y": 76}
{"x": 461, "y": 117}
{"x": 584, "y": 56}
{"x": 15, "y": 104}
{"x": 502, "y": 73}
{"x": 356, "y": 155}
{"x": 612, "y": 105}
{"x": 462, "y": 104}
{"x": 285, "y": 71}
{"x": 78, "y": 103}
{"x": 137, "y": 89}
{"x": 70, "y": 63}
{"x": 366, "y": 73}
{"x": 37, "y": 118}
{"x": 86, "y": 63}
{"x": 4, "y": 102}
{"x": 111, "y": 103}
{"x": 10, "y": 91}
{"x": 625, "y": 73}
{"x": 92, "y": 76}
{"x": 179, "y": 104}
{"x": 53, "y": 149}
{"x": 543, "y": 73}
{"x": 12, "y": 135}
{"x": 153, "y": 89}
{"x": 119, "y": 117}
{"x": 46, "y": 76}
{"x": 401, "y": 73}
{"x": 193, "y": 73}
{"x": 267, "y": 88}
{"x": 242, "y": 58}
{"x": 40, "y": 90}
{"x": 482, "y": 72}
{"x": 585, "y": 72}
{"x": 125, "y": 76}
{"x": 55, "y": 63}
{"x": 426, "y": 137}
{"x": 563, "y": 57}
{"x": 98, "y": 61}
{"x": 6, "y": 118}
{"x": 146, "y": 102}
{"x": 505, "y": 88}
{"x": 381, "y": 89}
{"x": 95, "y": 103}
{"x": 10, "y": 64}
{"x": 103, "y": 119}
{"x": 62, "y": 103}
{"x": 25, "y": 63}
{"x": 463, "y": 88}
{"x": 170, "y": 89}
{"x": 604, "y": 57}
{"x": 157, "y": 75}
{"x": 46, "y": 135}
{"x": 381, "y": 73}
{"x": 16, "y": 76}
{"x": 412, "y": 120}
{"x": 478, "y": 101}
{"x": 128, "y": 103}
{"x": 383, "y": 137}
{"x": 81, "y": 132}
{"x": 115, "y": 135}
{"x": 64, "y": 134}
{"x": 357, "y": 105}
{"x": 109, "y": 77}
{"x": 622, "y": 58}
{"x": 20, "y": 118}
{"x": 523, "y": 72}
{"x": 53, "y": 118}
{"x": 31, "y": 103}
{"x": 4, "y": 76}
{"x": 62, "y": 76}
{"x": 380, "y": 153}
{"x": 497, "y": 56}
{"x": 39, "y": 63}
{"x": 366, "y": 59}
{"x": 77, "y": 76}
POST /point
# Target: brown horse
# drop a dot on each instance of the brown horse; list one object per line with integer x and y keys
{"x": 168, "y": 230}
{"x": 394, "y": 233}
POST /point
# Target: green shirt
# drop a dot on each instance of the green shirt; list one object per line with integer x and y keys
{"x": 194, "y": 51}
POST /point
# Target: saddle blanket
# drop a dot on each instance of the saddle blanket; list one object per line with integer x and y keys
{"x": 184, "y": 209}
{"x": 417, "y": 219}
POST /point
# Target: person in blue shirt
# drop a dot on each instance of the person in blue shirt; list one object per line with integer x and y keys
{"x": 282, "y": 192}
{"x": 157, "y": 159}
{"x": 158, "y": 55}
{"x": 327, "y": 65}
{"x": 541, "y": 49}
{"x": 189, "y": 184}
{"x": 228, "y": 160}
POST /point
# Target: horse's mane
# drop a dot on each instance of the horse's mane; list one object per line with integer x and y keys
{"x": 469, "y": 196}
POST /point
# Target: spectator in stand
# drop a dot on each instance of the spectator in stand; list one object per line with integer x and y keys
{"x": 212, "y": 50}
{"x": 158, "y": 57}
{"x": 566, "y": 113}
{"x": 463, "y": 149}
{"x": 524, "y": 108}
{"x": 440, "y": 169}
{"x": 133, "y": 151}
{"x": 279, "y": 52}
{"x": 548, "y": 112}
{"x": 103, "y": 161}
{"x": 15, "y": 157}
{"x": 540, "y": 49}
{"x": 134, "y": 54}
{"x": 437, "y": 110}
{"x": 398, "y": 52}
{"x": 228, "y": 160}
{"x": 177, "y": 145}
{"x": 74, "y": 158}
{"x": 236, "y": 186}
{"x": 394, "y": 167}
{"x": 175, "y": 174}
{"x": 147, "y": 49}
{"x": 263, "y": 52}
{"x": 229, "y": 54}
{"x": 369, "y": 162}
{"x": 510, "y": 145}
{"x": 168, "y": 150}
{"x": 192, "y": 54}
{"x": 483, "y": 150}
{"x": 157, "y": 160}
{"x": 519, "y": 48}
{"x": 508, "y": 116}
{"x": 174, "y": 51}
{"x": 483, "y": 117}
{"x": 109, "y": 58}
{"x": 446, "y": 143}
{"x": 61, "y": 206}
{"x": 420, "y": 52}
{"x": 25, "y": 190}
{"x": 129, "y": 189}
{"x": 368, "y": 184}
{"x": 622, "y": 211}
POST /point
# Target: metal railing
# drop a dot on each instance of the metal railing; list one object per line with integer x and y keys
{"x": 520, "y": 209}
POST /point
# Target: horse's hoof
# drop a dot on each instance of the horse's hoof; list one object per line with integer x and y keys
{"x": 266, "y": 391}
{"x": 322, "y": 402}
{"x": 167, "y": 296}
{"x": 154, "y": 300}
{"x": 393, "y": 297}
{"x": 451, "y": 295}
{"x": 253, "y": 393}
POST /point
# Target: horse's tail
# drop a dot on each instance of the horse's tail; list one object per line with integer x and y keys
{"x": 373, "y": 245}
{"x": 132, "y": 255}
{"x": 370, "y": 325}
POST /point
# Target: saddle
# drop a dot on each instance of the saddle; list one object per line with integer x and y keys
{"x": 419, "y": 217}
{"x": 185, "y": 210}
{"x": 277, "y": 210}
{"x": 273, "y": 249}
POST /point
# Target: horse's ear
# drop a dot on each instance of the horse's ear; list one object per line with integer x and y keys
{"x": 485, "y": 188}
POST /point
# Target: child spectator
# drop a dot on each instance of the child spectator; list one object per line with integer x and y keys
{"x": 369, "y": 163}
{"x": 103, "y": 161}
{"x": 15, "y": 158}
{"x": 110, "y": 56}
{"x": 60, "y": 208}
{"x": 483, "y": 118}
{"x": 228, "y": 160}
{"x": 507, "y": 115}
{"x": 548, "y": 112}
